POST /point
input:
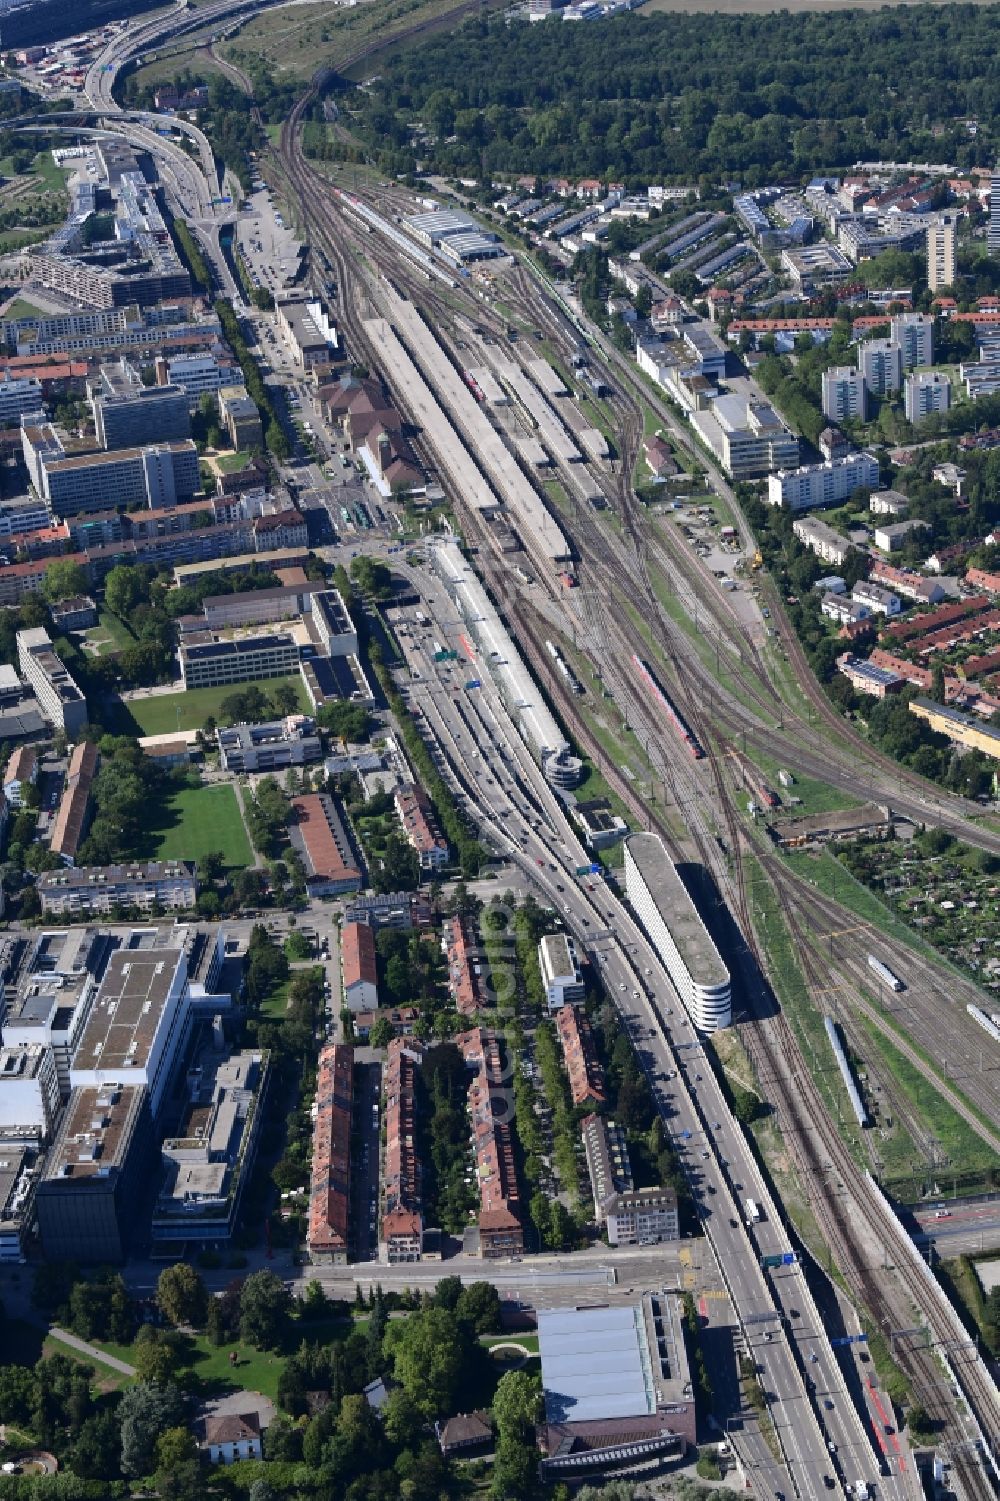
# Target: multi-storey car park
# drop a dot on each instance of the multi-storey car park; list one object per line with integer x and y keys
{"x": 662, "y": 904}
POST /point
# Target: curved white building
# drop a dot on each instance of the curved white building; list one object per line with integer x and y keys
{"x": 661, "y": 902}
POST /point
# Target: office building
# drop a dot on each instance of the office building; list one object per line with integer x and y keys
{"x": 330, "y": 1175}
{"x": 129, "y": 415}
{"x": 845, "y": 395}
{"x": 29, "y": 1092}
{"x": 161, "y": 475}
{"x": 560, "y": 970}
{"x": 914, "y": 334}
{"x": 309, "y": 332}
{"x": 674, "y": 926}
{"x": 98, "y": 1176}
{"x": 206, "y": 662}
{"x": 642, "y": 1217}
{"x": 258, "y": 606}
{"x": 59, "y": 698}
{"x": 17, "y": 396}
{"x": 941, "y": 259}
{"x": 54, "y": 992}
{"x": 358, "y": 967}
{"x": 822, "y": 484}
{"x": 196, "y": 374}
{"x": 606, "y": 1150}
{"x": 880, "y": 362}
{"x": 925, "y": 392}
{"x": 318, "y": 834}
{"x": 170, "y": 884}
{"x": 748, "y": 437}
{"x": 401, "y": 1227}
{"x": 208, "y": 1156}
{"x": 269, "y": 747}
{"x": 18, "y": 1176}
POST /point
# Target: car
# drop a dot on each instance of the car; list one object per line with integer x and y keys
{"x": 636, "y": 996}
{"x": 813, "y": 1356}
{"x": 705, "y": 1156}
{"x": 698, "y": 1078}
{"x": 942, "y": 1214}
{"x": 828, "y": 1404}
{"x": 540, "y": 862}
{"x": 768, "y": 1335}
{"x": 888, "y": 1430}
{"x": 732, "y": 1224}
{"x": 717, "y": 1126}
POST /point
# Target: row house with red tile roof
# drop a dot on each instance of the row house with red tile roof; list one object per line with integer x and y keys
{"x": 583, "y": 1067}
{"x": 491, "y": 1107}
{"x": 463, "y": 974}
{"x": 401, "y": 1231}
{"x": 330, "y": 1177}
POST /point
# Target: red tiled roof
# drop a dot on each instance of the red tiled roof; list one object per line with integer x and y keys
{"x": 329, "y": 1194}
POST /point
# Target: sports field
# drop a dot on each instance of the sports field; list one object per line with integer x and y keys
{"x": 162, "y": 712}
{"x": 195, "y": 821}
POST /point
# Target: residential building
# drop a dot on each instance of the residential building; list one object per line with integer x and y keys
{"x": 674, "y": 926}
{"x": 560, "y": 970}
{"x": 844, "y": 611}
{"x": 892, "y": 538}
{"x": 20, "y": 773}
{"x": 501, "y": 1234}
{"x": 941, "y": 260}
{"x": 318, "y": 834}
{"x": 130, "y": 415}
{"x": 231, "y": 1436}
{"x": 291, "y": 741}
{"x": 993, "y": 228}
{"x": 583, "y": 1067}
{"x": 845, "y": 396}
{"x": 822, "y": 484}
{"x": 359, "y": 971}
{"x": 93, "y": 1191}
{"x": 888, "y": 503}
{"x": 642, "y": 1217}
{"x": 59, "y": 698}
{"x": 880, "y": 601}
{"x": 469, "y": 1435}
{"x": 880, "y": 362}
{"x": 330, "y": 1175}
{"x": 17, "y": 396}
{"x": 170, "y": 884}
{"x": 420, "y": 826}
{"x": 241, "y": 418}
{"x": 924, "y": 392}
{"x": 70, "y": 822}
{"x": 401, "y": 1227}
{"x": 390, "y": 909}
{"x": 163, "y": 474}
{"x": 914, "y": 333}
{"x": 77, "y": 614}
{"x": 608, "y": 1166}
{"x": 867, "y": 677}
{"x": 821, "y": 539}
{"x": 463, "y": 972}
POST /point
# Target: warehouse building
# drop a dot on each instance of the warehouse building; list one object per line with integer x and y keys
{"x": 671, "y": 920}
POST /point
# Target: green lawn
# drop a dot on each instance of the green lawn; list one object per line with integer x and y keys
{"x": 194, "y": 821}
{"x": 229, "y": 463}
{"x": 21, "y": 308}
{"x": 163, "y": 712}
{"x": 110, "y": 634}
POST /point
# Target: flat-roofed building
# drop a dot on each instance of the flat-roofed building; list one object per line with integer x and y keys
{"x": 583, "y": 1067}
{"x": 242, "y": 418}
{"x": 674, "y": 926}
{"x": 402, "y": 1225}
{"x": 96, "y": 1184}
{"x": 642, "y": 1217}
{"x": 822, "y": 484}
{"x": 914, "y": 333}
{"x": 941, "y": 261}
{"x": 70, "y": 822}
{"x": 258, "y": 606}
{"x": 845, "y": 395}
{"x": 170, "y": 884}
{"x": 333, "y": 623}
{"x": 210, "y": 663}
{"x": 209, "y": 1155}
{"x": 330, "y": 1175}
{"x": 291, "y": 741}
{"x": 880, "y": 362}
{"x": 19, "y": 1162}
{"x": 924, "y": 393}
{"x": 560, "y": 970}
{"x": 608, "y": 1166}
{"x": 29, "y": 1092}
{"x": 318, "y": 834}
{"x": 59, "y": 698}
{"x": 138, "y": 1023}
{"x": 128, "y": 415}
{"x": 870, "y": 821}
{"x": 54, "y": 991}
{"x": 420, "y": 827}
{"x": 359, "y": 971}
{"x": 308, "y": 330}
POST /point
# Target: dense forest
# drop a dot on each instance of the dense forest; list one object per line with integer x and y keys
{"x": 655, "y": 97}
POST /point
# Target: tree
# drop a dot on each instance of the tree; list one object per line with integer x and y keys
{"x": 211, "y": 865}
{"x": 380, "y": 1033}
{"x": 64, "y": 579}
{"x": 181, "y": 1295}
{"x": 430, "y": 1353}
{"x": 144, "y": 1412}
{"x": 154, "y": 1355}
{"x": 124, "y": 588}
{"x": 96, "y": 1453}
{"x": 265, "y": 1304}
{"x": 175, "y": 1447}
{"x": 517, "y": 1406}
{"x": 479, "y": 1306}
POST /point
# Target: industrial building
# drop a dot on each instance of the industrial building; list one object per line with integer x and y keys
{"x": 673, "y": 925}
{"x": 560, "y": 971}
{"x": 501, "y": 658}
{"x": 616, "y": 1387}
{"x": 870, "y": 821}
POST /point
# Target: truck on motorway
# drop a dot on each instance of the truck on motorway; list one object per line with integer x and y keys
{"x": 752, "y": 1210}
